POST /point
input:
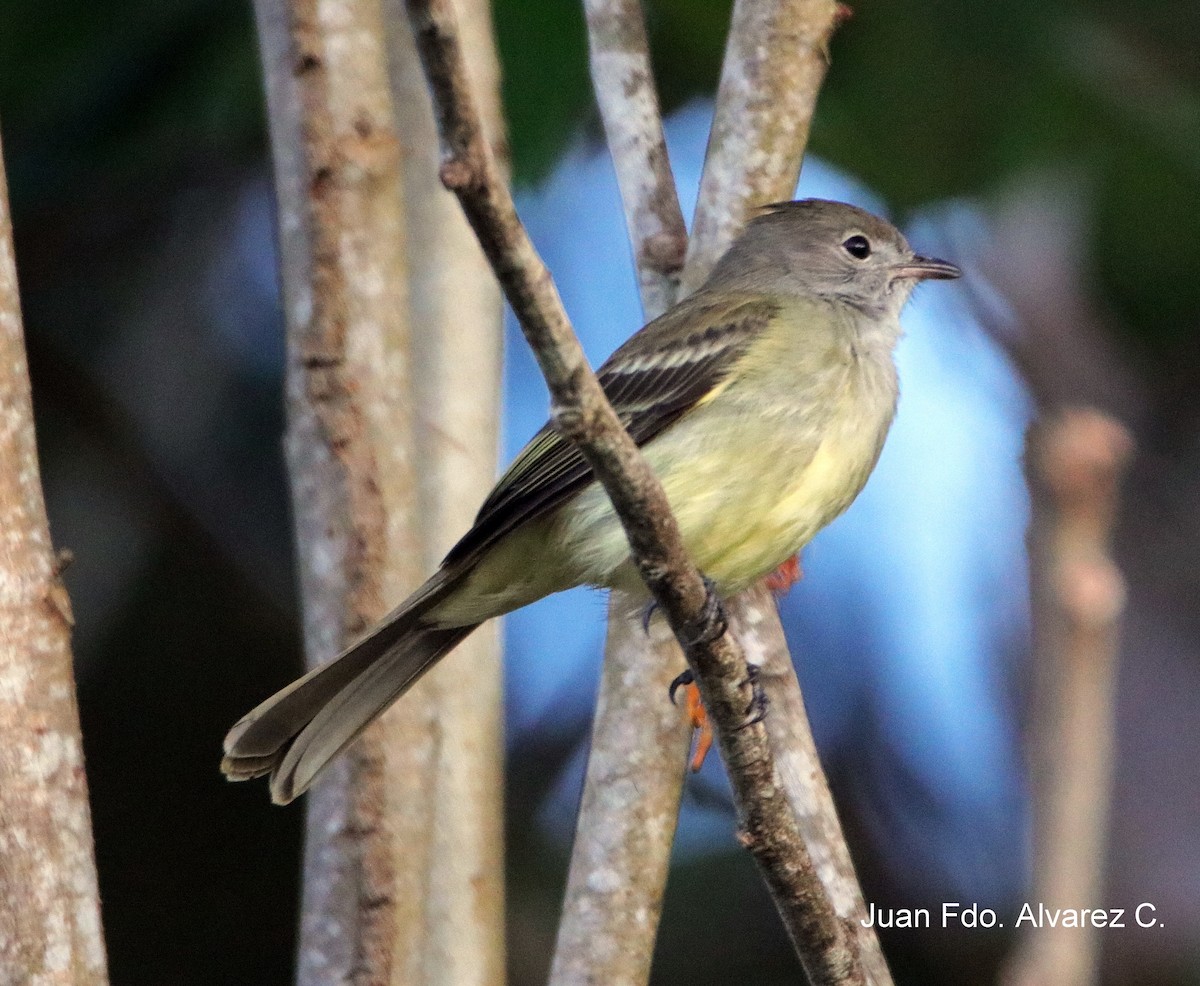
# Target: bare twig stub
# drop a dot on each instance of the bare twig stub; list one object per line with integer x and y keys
{"x": 457, "y": 339}
{"x": 582, "y": 414}
{"x": 338, "y": 182}
{"x": 1076, "y": 461}
{"x": 49, "y": 902}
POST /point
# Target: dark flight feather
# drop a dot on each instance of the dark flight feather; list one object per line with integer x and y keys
{"x": 655, "y": 378}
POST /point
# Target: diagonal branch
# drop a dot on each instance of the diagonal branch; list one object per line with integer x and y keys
{"x": 754, "y": 618}
{"x": 623, "y": 80}
{"x": 581, "y": 412}
{"x": 775, "y": 61}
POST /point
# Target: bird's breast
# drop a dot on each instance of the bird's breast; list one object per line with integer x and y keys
{"x": 752, "y": 479}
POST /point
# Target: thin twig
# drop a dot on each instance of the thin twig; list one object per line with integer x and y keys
{"x": 49, "y": 901}
{"x": 337, "y": 164}
{"x": 1076, "y": 460}
{"x": 583, "y": 415}
{"x": 630, "y": 805}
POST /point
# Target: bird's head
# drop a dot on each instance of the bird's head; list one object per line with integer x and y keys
{"x": 817, "y": 248}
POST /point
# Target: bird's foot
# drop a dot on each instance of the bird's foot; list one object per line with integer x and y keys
{"x": 712, "y": 621}
{"x": 756, "y": 711}
{"x": 785, "y": 576}
{"x": 697, "y": 716}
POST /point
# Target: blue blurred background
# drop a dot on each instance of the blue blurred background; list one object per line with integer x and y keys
{"x": 1051, "y": 152}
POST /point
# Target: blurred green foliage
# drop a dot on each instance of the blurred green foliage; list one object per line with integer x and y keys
{"x": 925, "y": 100}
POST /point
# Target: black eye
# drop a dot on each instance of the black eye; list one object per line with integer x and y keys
{"x": 858, "y": 246}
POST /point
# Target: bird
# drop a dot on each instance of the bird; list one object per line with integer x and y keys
{"x": 762, "y": 401}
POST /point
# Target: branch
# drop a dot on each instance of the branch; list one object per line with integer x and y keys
{"x": 630, "y": 805}
{"x": 755, "y": 622}
{"x": 628, "y": 812}
{"x": 583, "y": 415}
{"x": 775, "y": 62}
{"x": 338, "y": 183}
{"x": 457, "y": 340}
{"x": 1075, "y": 461}
{"x": 623, "y": 80}
{"x": 49, "y": 901}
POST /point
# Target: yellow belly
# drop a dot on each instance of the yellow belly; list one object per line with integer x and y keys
{"x": 748, "y": 493}
{"x": 751, "y": 477}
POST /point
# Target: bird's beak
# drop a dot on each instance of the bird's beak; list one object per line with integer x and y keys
{"x": 925, "y": 268}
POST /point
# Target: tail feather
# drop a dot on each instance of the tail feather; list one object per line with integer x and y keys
{"x": 339, "y": 724}
{"x": 294, "y": 734}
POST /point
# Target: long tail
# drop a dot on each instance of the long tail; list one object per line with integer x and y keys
{"x": 295, "y": 733}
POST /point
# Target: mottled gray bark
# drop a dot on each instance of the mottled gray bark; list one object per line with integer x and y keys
{"x": 634, "y": 782}
{"x": 457, "y": 340}
{"x": 50, "y": 932}
{"x": 627, "y": 815}
{"x": 349, "y": 448}
{"x": 775, "y": 62}
{"x": 755, "y": 621}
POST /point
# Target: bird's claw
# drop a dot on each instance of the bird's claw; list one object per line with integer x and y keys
{"x": 697, "y": 716}
{"x": 648, "y": 612}
{"x": 684, "y": 678}
{"x": 713, "y": 622}
{"x": 756, "y": 711}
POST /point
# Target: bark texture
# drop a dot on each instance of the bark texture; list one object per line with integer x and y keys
{"x": 349, "y": 449}
{"x": 775, "y": 62}
{"x": 755, "y": 621}
{"x": 623, "y": 80}
{"x": 630, "y": 806}
{"x": 50, "y": 931}
{"x": 457, "y": 340}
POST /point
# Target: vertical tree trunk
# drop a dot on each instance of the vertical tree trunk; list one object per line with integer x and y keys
{"x": 50, "y": 932}
{"x": 349, "y": 447}
{"x": 1076, "y": 459}
{"x": 457, "y": 324}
